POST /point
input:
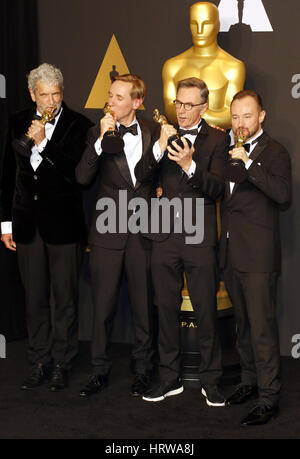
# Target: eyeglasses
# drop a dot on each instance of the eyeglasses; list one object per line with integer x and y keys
{"x": 188, "y": 106}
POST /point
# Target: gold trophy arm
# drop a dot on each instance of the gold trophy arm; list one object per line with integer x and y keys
{"x": 107, "y": 109}
{"x": 241, "y": 137}
{"x": 161, "y": 119}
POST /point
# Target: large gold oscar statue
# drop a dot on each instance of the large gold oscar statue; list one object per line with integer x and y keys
{"x": 224, "y": 76}
{"x": 223, "y": 73}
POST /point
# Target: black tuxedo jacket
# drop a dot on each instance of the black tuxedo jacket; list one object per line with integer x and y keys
{"x": 251, "y": 213}
{"x": 211, "y": 146}
{"x": 113, "y": 175}
{"x": 48, "y": 199}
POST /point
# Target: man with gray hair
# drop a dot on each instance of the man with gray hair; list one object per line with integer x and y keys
{"x": 42, "y": 219}
{"x": 193, "y": 170}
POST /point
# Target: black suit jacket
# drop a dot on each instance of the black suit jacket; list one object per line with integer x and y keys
{"x": 211, "y": 146}
{"x": 113, "y": 174}
{"x": 48, "y": 199}
{"x": 251, "y": 213}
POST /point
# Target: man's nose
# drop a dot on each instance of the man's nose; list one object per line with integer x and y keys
{"x": 51, "y": 100}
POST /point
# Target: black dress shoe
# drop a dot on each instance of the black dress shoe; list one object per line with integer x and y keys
{"x": 37, "y": 375}
{"x": 241, "y": 394}
{"x": 95, "y": 384}
{"x": 260, "y": 414}
{"x": 59, "y": 378}
{"x": 140, "y": 385}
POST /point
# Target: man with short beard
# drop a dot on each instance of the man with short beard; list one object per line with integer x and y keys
{"x": 250, "y": 254}
{"x": 42, "y": 219}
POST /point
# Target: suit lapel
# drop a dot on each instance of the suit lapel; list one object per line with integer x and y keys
{"x": 121, "y": 162}
{"x": 146, "y": 136}
{"x": 200, "y": 139}
{"x": 121, "y": 159}
{"x": 63, "y": 125}
{"x": 260, "y": 146}
{"x": 146, "y": 142}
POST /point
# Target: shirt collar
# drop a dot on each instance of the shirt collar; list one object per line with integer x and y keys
{"x": 255, "y": 137}
{"x": 133, "y": 122}
{"x": 196, "y": 126}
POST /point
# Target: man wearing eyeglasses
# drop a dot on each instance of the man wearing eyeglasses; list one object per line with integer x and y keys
{"x": 193, "y": 171}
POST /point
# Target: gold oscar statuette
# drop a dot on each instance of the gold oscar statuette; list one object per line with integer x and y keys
{"x": 112, "y": 141}
{"x": 161, "y": 119}
{"x": 223, "y": 74}
{"x": 25, "y": 141}
{"x": 240, "y": 137}
{"x": 235, "y": 168}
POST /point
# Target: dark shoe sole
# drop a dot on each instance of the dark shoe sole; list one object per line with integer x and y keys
{"x": 257, "y": 423}
{"x": 244, "y": 399}
{"x": 85, "y": 395}
{"x": 56, "y": 389}
{"x": 32, "y": 387}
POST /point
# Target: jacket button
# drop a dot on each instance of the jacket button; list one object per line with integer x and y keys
{"x": 35, "y": 177}
{"x": 35, "y": 197}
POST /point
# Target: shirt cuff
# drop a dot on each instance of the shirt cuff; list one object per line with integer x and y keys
{"x": 98, "y": 147}
{"x": 250, "y": 161}
{"x": 6, "y": 227}
{"x": 158, "y": 155}
{"x": 191, "y": 170}
{"x": 42, "y": 145}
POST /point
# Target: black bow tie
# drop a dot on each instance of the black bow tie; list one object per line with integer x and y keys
{"x": 182, "y": 132}
{"x": 247, "y": 145}
{"x": 38, "y": 117}
{"x": 131, "y": 129}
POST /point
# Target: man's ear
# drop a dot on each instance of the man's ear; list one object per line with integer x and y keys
{"x": 32, "y": 95}
{"x": 262, "y": 116}
{"x": 204, "y": 108}
{"x": 137, "y": 103}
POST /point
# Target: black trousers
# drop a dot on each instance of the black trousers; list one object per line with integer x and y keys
{"x": 253, "y": 296}
{"x": 107, "y": 267}
{"x": 51, "y": 270}
{"x": 170, "y": 259}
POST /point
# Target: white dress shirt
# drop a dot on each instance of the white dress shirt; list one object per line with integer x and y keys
{"x": 158, "y": 154}
{"x": 133, "y": 148}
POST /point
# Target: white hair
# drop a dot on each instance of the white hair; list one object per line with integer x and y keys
{"x": 46, "y": 73}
